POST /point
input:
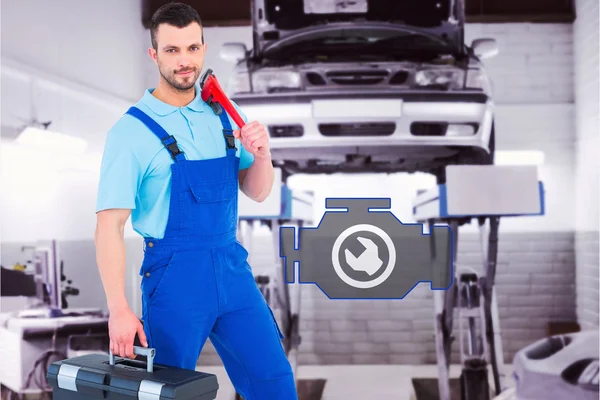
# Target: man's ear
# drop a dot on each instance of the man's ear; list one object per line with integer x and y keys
{"x": 152, "y": 54}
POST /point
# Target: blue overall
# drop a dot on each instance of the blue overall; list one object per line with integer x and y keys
{"x": 197, "y": 283}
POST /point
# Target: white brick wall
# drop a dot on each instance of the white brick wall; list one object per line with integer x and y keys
{"x": 588, "y": 142}
{"x": 534, "y": 64}
{"x": 586, "y": 256}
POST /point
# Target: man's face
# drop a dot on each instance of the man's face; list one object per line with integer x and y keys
{"x": 179, "y": 54}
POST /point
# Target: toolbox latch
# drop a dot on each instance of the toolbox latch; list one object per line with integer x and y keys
{"x": 67, "y": 377}
{"x": 149, "y": 390}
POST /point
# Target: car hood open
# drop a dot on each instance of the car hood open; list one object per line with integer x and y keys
{"x": 277, "y": 21}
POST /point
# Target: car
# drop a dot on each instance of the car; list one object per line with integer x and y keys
{"x": 366, "y": 85}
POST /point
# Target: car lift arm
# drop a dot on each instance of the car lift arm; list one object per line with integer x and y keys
{"x": 484, "y": 193}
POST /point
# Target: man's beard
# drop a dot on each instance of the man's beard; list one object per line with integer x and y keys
{"x": 181, "y": 83}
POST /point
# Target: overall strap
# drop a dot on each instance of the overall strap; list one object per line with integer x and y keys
{"x": 167, "y": 140}
{"x": 227, "y": 132}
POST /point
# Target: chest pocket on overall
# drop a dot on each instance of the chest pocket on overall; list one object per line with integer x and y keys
{"x": 210, "y": 207}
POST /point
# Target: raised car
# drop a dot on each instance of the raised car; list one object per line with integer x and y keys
{"x": 366, "y": 85}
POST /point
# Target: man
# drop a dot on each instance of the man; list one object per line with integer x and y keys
{"x": 181, "y": 192}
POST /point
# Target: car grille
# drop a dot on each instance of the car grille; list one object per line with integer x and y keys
{"x": 369, "y": 77}
{"x": 315, "y": 79}
{"x": 399, "y": 78}
{"x": 358, "y": 129}
{"x": 357, "y": 77}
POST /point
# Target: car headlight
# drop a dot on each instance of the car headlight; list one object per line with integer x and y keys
{"x": 478, "y": 79}
{"x": 444, "y": 78}
{"x": 239, "y": 83}
{"x": 267, "y": 81}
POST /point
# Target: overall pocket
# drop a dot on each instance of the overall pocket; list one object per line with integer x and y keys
{"x": 215, "y": 191}
{"x": 155, "y": 270}
{"x": 209, "y": 207}
{"x": 281, "y": 336}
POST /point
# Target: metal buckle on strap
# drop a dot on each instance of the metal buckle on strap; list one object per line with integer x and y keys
{"x": 173, "y": 148}
{"x": 228, "y": 133}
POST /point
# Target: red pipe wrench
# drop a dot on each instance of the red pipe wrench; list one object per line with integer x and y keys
{"x": 215, "y": 97}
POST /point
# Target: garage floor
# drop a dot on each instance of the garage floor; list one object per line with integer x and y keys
{"x": 354, "y": 382}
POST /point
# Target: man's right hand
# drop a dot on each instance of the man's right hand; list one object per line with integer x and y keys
{"x": 123, "y": 324}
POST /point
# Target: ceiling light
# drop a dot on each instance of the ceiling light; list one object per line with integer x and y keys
{"x": 39, "y": 137}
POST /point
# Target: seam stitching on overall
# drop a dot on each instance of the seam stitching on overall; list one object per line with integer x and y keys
{"x": 275, "y": 379}
{"x": 215, "y": 257}
{"x": 148, "y": 307}
{"x": 237, "y": 358}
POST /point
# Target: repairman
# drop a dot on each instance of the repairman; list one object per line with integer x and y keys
{"x": 173, "y": 165}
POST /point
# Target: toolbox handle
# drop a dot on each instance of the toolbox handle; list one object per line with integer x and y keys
{"x": 149, "y": 352}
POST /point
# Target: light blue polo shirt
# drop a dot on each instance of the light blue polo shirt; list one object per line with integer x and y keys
{"x": 136, "y": 167}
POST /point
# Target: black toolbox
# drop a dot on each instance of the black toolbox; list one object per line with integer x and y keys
{"x": 98, "y": 376}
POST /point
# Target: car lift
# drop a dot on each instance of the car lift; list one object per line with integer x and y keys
{"x": 481, "y": 193}
{"x": 292, "y": 208}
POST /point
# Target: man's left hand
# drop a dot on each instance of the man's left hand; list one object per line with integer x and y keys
{"x": 255, "y": 139}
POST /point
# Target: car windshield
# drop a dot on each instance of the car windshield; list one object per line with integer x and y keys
{"x": 341, "y": 44}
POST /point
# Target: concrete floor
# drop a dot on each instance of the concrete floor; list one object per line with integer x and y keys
{"x": 355, "y": 382}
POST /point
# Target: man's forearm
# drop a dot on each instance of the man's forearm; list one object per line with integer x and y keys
{"x": 259, "y": 179}
{"x": 110, "y": 256}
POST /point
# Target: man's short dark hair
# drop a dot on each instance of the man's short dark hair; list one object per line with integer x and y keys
{"x": 176, "y": 14}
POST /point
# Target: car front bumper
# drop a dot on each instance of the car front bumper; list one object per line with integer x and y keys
{"x": 327, "y": 123}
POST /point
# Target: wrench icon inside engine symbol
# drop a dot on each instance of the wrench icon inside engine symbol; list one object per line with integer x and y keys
{"x": 368, "y": 261}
